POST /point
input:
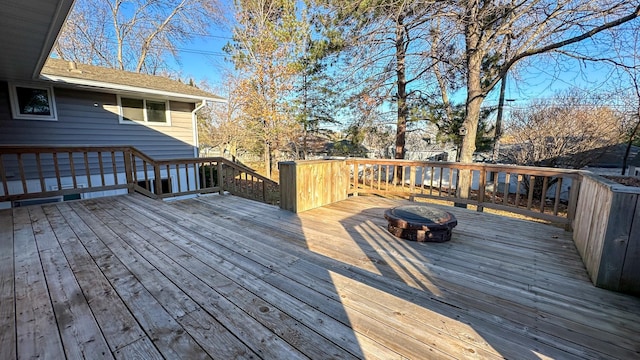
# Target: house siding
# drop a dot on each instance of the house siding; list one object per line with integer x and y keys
{"x": 81, "y": 122}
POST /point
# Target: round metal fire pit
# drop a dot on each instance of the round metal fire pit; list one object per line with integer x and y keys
{"x": 420, "y": 223}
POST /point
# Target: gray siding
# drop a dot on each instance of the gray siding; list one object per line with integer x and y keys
{"x": 82, "y": 123}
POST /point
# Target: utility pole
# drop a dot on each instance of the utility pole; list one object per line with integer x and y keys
{"x": 498, "y": 128}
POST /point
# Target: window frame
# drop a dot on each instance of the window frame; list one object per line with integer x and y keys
{"x": 146, "y": 121}
{"x": 15, "y": 103}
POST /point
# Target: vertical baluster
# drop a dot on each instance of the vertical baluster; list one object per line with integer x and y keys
{"x": 386, "y": 175}
{"x": 134, "y": 170}
{"x": 451, "y": 170}
{"x": 412, "y": 178}
{"x": 195, "y": 176}
{"x": 440, "y": 181}
{"x": 518, "y": 188}
{"x": 170, "y": 183}
{"x": 211, "y": 182}
{"x": 178, "y": 177}
{"x": 87, "y": 169}
{"x": 556, "y": 202}
{"x": 40, "y": 175}
{"x": 158, "y": 178}
{"x": 507, "y": 182}
{"x": 73, "y": 171}
{"x": 56, "y": 168}
{"x": 530, "y": 195}
{"x": 100, "y": 165}
{"x": 545, "y": 183}
{"x": 202, "y": 177}
{"x": 147, "y": 184}
{"x": 495, "y": 180}
{"x": 355, "y": 177}
{"x": 186, "y": 171}
{"x": 115, "y": 167}
{"x": 431, "y": 175}
{"x": 482, "y": 187}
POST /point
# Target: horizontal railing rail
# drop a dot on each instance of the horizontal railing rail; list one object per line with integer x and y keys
{"x": 32, "y": 172}
{"x": 544, "y": 193}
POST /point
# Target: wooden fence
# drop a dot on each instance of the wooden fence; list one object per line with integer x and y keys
{"x": 49, "y": 172}
{"x": 545, "y": 193}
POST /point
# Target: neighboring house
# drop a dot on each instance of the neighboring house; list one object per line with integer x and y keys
{"x": 608, "y": 161}
{"x": 634, "y": 166}
{"x": 46, "y": 101}
{"x": 75, "y": 104}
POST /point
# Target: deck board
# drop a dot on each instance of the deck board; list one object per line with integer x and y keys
{"x": 36, "y": 330}
{"x": 224, "y": 277}
{"x": 7, "y": 293}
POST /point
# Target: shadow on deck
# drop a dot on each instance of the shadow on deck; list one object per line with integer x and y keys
{"x": 224, "y": 277}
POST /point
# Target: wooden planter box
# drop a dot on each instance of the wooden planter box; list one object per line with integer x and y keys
{"x": 306, "y": 185}
{"x": 606, "y": 231}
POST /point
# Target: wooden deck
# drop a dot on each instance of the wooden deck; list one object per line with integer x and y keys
{"x": 223, "y": 277}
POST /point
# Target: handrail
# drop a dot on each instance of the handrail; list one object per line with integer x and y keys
{"x": 544, "y": 193}
{"x": 524, "y": 190}
{"x": 38, "y": 171}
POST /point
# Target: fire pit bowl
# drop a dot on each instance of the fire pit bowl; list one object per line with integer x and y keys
{"x": 420, "y": 223}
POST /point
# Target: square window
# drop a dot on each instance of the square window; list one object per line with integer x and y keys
{"x": 132, "y": 109}
{"x": 32, "y": 102}
{"x": 156, "y": 111}
{"x": 152, "y": 112}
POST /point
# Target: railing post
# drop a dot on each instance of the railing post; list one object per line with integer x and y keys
{"x": 355, "y": 178}
{"x": 264, "y": 191}
{"x": 127, "y": 154}
{"x": 220, "y": 178}
{"x": 156, "y": 170}
{"x": 574, "y": 193}
{"x": 481, "y": 188}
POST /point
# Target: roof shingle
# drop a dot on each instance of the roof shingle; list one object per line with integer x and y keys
{"x": 107, "y": 76}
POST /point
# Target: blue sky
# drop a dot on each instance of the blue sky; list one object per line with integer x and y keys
{"x": 539, "y": 77}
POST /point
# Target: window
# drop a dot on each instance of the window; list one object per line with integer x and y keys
{"x": 32, "y": 102}
{"x": 144, "y": 111}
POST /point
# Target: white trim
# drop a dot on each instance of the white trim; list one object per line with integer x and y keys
{"x": 194, "y": 124}
{"x": 15, "y": 105}
{"x": 127, "y": 88}
{"x": 63, "y": 9}
{"x": 146, "y": 121}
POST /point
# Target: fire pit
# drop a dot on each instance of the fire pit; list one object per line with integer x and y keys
{"x": 420, "y": 223}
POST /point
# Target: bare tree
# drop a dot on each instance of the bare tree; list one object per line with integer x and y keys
{"x": 499, "y": 34}
{"x": 268, "y": 42}
{"x": 565, "y": 131}
{"x": 135, "y": 35}
{"x": 220, "y": 125}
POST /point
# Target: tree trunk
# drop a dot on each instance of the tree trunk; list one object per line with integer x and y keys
{"x": 475, "y": 95}
{"x": 403, "y": 109}
{"x": 267, "y": 159}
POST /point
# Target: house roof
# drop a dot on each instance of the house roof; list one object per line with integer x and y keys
{"x": 113, "y": 80}
{"x": 635, "y": 161}
{"x": 29, "y": 30}
{"x": 611, "y": 156}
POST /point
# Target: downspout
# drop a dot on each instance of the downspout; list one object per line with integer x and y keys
{"x": 194, "y": 122}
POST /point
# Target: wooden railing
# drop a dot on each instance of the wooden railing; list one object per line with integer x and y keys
{"x": 47, "y": 172}
{"x": 544, "y": 193}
